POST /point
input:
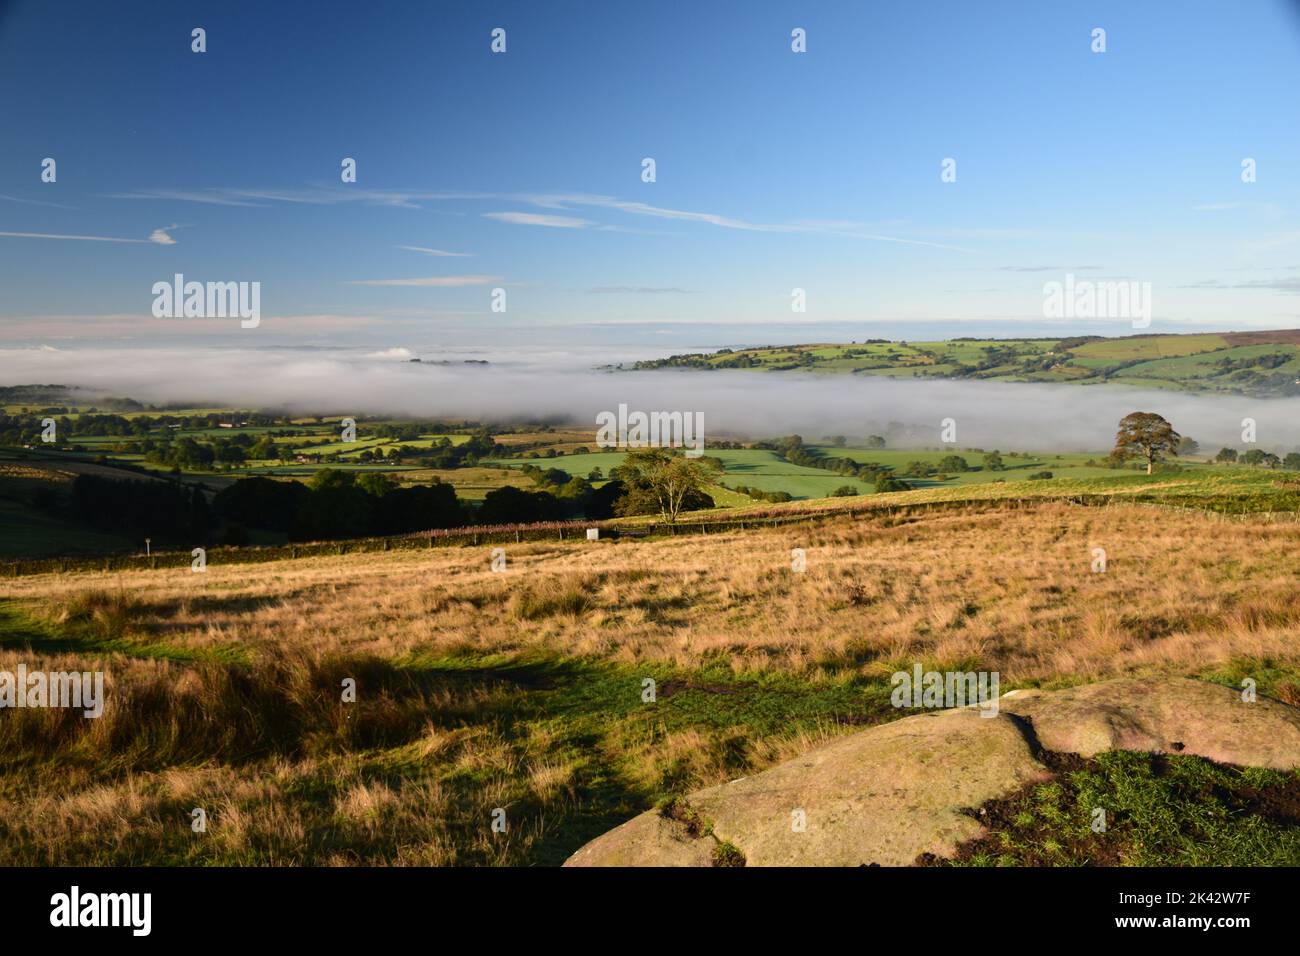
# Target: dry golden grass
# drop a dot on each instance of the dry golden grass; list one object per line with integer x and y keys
{"x": 1011, "y": 591}
{"x": 238, "y": 710}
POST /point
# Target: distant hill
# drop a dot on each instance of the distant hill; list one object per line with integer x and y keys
{"x": 64, "y": 396}
{"x": 1262, "y": 364}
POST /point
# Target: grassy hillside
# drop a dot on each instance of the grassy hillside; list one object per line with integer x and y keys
{"x": 766, "y": 470}
{"x": 1247, "y": 363}
{"x": 522, "y": 690}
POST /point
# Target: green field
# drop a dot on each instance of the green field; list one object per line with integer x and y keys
{"x": 757, "y": 468}
{"x": 765, "y": 470}
{"x": 1245, "y": 363}
{"x": 1061, "y": 465}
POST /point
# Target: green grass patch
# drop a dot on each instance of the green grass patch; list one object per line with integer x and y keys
{"x": 1159, "y": 810}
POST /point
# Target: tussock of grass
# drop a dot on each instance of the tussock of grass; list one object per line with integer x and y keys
{"x": 564, "y": 597}
{"x": 107, "y": 615}
{"x": 677, "y": 809}
{"x": 161, "y": 713}
{"x": 727, "y": 854}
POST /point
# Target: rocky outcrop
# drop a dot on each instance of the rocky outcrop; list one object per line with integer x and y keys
{"x": 893, "y": 792}
{"x": 1167, "y": 715}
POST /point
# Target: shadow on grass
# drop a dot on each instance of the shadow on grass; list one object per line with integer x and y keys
{"x": 592, "y": 718}
{"x": 19, "y": 630}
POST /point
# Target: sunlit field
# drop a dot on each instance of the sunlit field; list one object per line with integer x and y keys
{"x": 521, "y": 689}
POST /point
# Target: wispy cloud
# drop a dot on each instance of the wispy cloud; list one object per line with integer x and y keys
{"x": 1282, "y": 285}
{"x": 434, "y": 252}
{"x": 313, "y": 196}
{"x": 559, "y": 202}
{"x": 35, "y": 202}
{"x": 161, "y": 236}
{"x": 842, "y": 230}
{"x": 158, "y": 236}
{"x": 539, "y": 219}
{"x": 212, "y": 197}
{"x": 432, "y": 281}
{"x": 124, "y": 326}
{"x": 321, "y": 196}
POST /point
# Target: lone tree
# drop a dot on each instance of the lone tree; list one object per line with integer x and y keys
{"x": 1145, "y": 435}
{"x": 667, "y": 478}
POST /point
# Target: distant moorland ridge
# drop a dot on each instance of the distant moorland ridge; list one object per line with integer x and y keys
{"x": 1261, "y": 364}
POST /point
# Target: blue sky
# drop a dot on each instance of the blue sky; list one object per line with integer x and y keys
{"x": 775, "y": 170}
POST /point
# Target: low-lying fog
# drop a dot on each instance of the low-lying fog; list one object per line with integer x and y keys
{"x": 566, "y": 386}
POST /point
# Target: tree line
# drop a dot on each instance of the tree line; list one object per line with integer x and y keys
{"x": 336, "y": 504}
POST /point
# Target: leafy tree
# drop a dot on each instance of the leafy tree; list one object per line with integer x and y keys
{"x": 510, "y": 505}
{"x": 1147, "y": 436}
{"x": 261, "y": 503}
{"x": 337, "y": 508}
{"x": 1291, "y": 462}
{"x": 1188, "y": 446}
{"x": 376, "y": 483}
{"x": 228, "y": 452}
{"x": 1226, "y": 455}
{"x": 993, "y": 462}
{"x": 845, "y": 491}
{"x": 1257, "y": 457}
{"x": 887, "y": 482}
{"x": 331, "y": 478}
{"x": 600, "y": 504}
{"x": 954, "y": 463}
{"x": 264, "y": 449}
{"x": 417, "y": 508}
{"x": 164, "y": 510}
{"x": 551, "y": 476}
{"x": 875, "y": 441}
{"x": 667, "y": 478}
